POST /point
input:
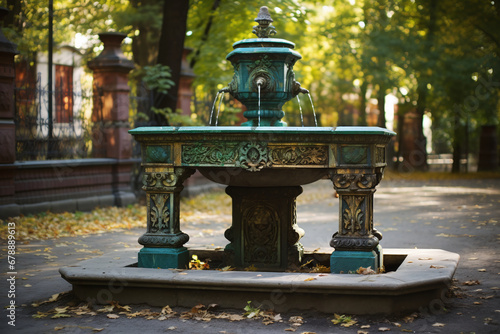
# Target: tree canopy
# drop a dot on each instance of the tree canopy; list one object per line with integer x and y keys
{"x": 439, "y": 58}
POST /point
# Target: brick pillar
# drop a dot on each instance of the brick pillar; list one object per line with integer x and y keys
{"x": 7, "y": 125}
{"x": 7, "y": 83}
{"x": 111, "y": 99}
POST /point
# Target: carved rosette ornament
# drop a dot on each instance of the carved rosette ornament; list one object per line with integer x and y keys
{"x": 162, "y": 196}
{"x": 253, "y": 156}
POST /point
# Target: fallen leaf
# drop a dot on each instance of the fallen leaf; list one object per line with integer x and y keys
{"x": 364, "y": 326}
{"x": 171, "y": 328}
{"x": 477, "y": 303}
{"x": 436, "y": 266}
{"x": 438, "y": 324}
{"x": 291, "y": 329}
{"x": 365, "y": 271}
{"x": 481, "y": 270}
{"x": 471, "y": 282}
{"x": 106, "y": 309}
{"x": 384, "y": 329}
{"x": 97, "y": 329}
{"x": 61, "y": 315}
{"x": 362, "y": 332}
{"x": 296, "y": 320}
{"x": 112, "y": 316}
{"x": 309, "y": 279}
{"x": 58, "y": 328}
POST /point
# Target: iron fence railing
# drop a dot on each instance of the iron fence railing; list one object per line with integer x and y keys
{"x": 66, "y": 132}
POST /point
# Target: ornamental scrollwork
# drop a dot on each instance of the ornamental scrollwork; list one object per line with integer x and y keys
{"x": 300, "y": 155}
{"x": 158, "y": 180}
{"x": 165, "y": 180}
{"x": 355, "y": 181}
{"x": 214, "y": 154}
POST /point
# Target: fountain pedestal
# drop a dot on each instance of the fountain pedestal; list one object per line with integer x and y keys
{"x": 264, "y": 232}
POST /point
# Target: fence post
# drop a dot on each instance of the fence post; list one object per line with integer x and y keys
{"x": 111, "y": 99}
{"x": 7, "y": 83}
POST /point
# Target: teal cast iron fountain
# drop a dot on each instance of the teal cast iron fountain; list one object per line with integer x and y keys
{"x": 264, "y": 163}
{"x": 264, "y": 167}
{"x": 263, "y": 74}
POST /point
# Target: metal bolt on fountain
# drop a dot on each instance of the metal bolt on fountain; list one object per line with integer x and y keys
{"x": 264, "y": 163}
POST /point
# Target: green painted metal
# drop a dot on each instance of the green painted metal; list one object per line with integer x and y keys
{"x": 261, "y": 162}
{"x": 164, "y": 258}
{"x": 349, "y": 261}
{"x": 340, "y": 130}
{"x": 263, "y": 78}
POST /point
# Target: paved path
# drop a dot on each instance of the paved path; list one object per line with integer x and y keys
{"x": 461, "y": 216}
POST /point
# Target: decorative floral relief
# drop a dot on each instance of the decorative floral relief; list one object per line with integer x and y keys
{"x": 300, "y": 155}
{"x": 159, "y": 212}
{"x": 216, "y": 154}
{"x": 353, "y": 216}
{"x": 261, "y": 224}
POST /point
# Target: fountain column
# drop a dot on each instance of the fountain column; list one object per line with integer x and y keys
{"x": 163, "y": 242}
{"x": 264, "y": 232}
{"x": 356, "y": 243}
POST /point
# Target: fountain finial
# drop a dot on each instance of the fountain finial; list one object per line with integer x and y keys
{"x": 264, "y": 29}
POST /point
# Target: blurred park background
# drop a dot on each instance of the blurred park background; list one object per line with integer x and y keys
{"x": 426, "y": 69}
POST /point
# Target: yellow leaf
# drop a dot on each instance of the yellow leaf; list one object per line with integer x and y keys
{"x": 309, "y": 279}
{"x": 112, "y": 316}
{"x": 438, "y": 324}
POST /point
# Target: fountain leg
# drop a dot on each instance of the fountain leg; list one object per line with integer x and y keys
{"x": 357, "y": 242}
{"x": 264, "y": 232}
{"x": 163, "y": 242}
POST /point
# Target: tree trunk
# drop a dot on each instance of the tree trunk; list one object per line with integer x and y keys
{"x": 381, "y": 107}
{"x": 457, "y": 143}
{"x": 171, "y": 46}
{"x": 362, "y": 103}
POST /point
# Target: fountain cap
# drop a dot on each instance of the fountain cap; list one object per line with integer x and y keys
{"x": 264, "y": 29}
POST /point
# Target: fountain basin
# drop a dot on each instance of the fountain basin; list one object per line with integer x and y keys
{"x": 420, "y": 281}
{"x": 240, "y": 151}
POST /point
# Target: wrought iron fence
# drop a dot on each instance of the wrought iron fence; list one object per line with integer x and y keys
{"x": 66, "y": 132}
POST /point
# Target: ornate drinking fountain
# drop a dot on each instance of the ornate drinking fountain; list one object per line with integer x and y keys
{"x": 264, "y": 163}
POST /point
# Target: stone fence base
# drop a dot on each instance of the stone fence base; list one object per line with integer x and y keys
{"x": 64, "y": 185}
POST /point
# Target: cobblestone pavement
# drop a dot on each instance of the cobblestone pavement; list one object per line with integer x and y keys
{"x": 460, "y": 216}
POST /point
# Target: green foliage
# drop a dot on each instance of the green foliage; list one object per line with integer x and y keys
{"x": 157, "y": 78}
{"x": 441, "y": 57}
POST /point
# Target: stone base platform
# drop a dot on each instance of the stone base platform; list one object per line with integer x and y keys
{"x": 419, "y": 280}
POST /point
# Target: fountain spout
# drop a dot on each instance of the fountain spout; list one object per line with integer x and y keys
{"x": 297, "y": 89}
